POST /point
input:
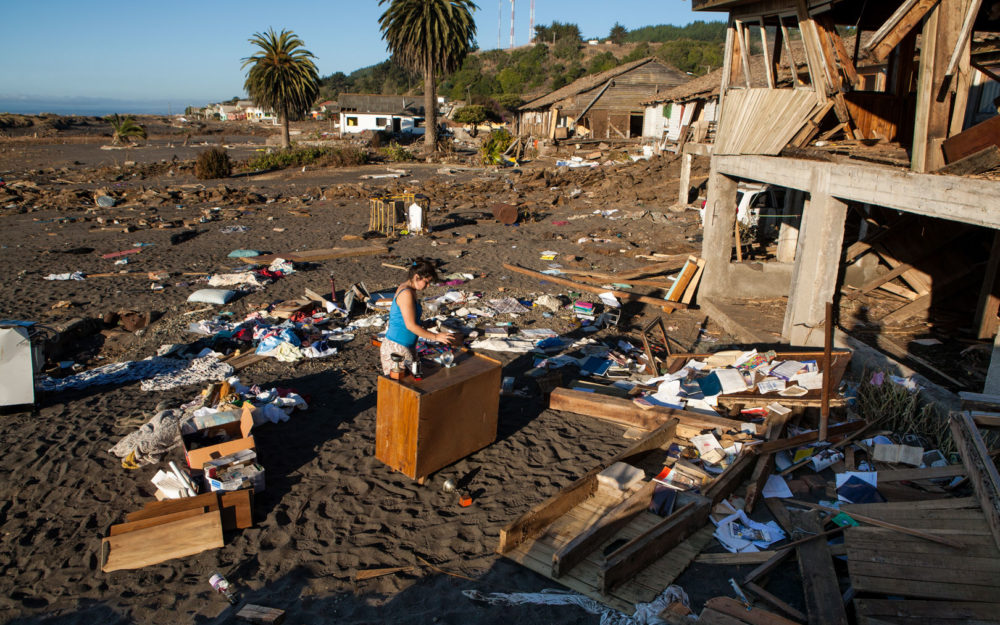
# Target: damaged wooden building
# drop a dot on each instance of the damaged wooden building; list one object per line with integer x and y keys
{"x": 607, "y": 105}
{"x": 886, "y": 184}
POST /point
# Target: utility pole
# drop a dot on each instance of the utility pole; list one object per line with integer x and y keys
{"x": 511, "y": 23}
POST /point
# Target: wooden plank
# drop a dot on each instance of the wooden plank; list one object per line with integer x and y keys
{"x": 927, "y": 609}
{"x": 207, "y": 501}
{"x": 899, "y": 24}
{"x": 642, "y": 551}
{"x": 124, "y": 528}
{"x": 177, "y": 539}
{"x": 873, "y": 521}
{"x": 907, "y": 507}
{"x": 976, "y": 163}
{"x": 805, "y": 439}
{"x": 261, "y": 614}
{"x": 604, "y": 528}
{"x": 909, "y": 588}
{"x": 982, "y": 471}
{"x": 930, "y": 473}
{"x": 542, "y": 515}
{"x": 313, "y": 256}
{"x": 765, "y": 462}
{"x": 819, "y": 579}
{"x": 988, "y": 306}
{"x": 623, "y": 295}
{"x": 626, "y": 412}
{"x": 753, "y": 616}
{"x": 730, "y": 479}
{"x": 948, "y": 567}
{"x": 709, "y": 616}
{"x": 972, "y": 140}
{"x": 734, "y": 559}
{"x": 878, "y": 538}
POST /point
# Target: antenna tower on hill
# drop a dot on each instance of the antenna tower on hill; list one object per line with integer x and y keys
{"x": 511, "y": 23}
{"x": 531, "y": 23}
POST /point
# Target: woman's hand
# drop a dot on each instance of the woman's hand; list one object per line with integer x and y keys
{"x": 450, "y": 339}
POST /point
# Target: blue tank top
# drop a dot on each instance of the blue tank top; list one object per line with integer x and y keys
{"x": 398, "y": 332}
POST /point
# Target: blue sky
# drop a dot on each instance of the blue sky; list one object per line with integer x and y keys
{"x": 189, "y": 53}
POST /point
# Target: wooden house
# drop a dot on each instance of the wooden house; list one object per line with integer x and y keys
{"x": 603, "y": 105}
{"x": 783, "y": 136}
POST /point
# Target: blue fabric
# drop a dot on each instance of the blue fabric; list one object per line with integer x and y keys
{"x": 398, "y": 332}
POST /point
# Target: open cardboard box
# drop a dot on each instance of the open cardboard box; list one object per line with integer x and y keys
{"x": 239, "y": 439}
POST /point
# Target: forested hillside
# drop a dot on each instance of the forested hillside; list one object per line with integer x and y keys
{"x": 501, "y": 79}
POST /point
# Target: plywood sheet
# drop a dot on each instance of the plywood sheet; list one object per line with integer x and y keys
{"x": 177, "y": 539}
{"x": 762, "y": 121}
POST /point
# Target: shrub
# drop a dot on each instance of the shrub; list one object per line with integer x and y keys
{"x": 396, "y": 153}
{"x": 495, "y": 145}
{"x": 213, "y": 163}
{"x": 336, "y": 157}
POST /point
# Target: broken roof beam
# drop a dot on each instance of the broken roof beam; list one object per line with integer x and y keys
{"x": 898, "y": 26}
{"x": 981, "y": 469}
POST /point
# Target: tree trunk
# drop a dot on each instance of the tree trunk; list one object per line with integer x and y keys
{"x": 285, "y": 141}
{"x": 430, "y": 111}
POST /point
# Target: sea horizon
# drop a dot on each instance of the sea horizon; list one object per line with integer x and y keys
{"x": 89, "y": 107}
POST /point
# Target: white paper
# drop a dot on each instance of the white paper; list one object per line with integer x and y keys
{"x": 809, "y": 381}
{"x": 776, "y": 487}
{"x": 724, "y": 532}
{"x": 609, "y": 300}
{"x": 793, "y": 391}
{"x": 732, "y": 381}
{"x": 786, "y": 369}
{"x": 769, "y": 385}
{"x": 825, "y": 458}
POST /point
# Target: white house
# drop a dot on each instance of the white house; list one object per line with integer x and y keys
{"x": 256, "y": 113}
{"x": 392, "y": 113}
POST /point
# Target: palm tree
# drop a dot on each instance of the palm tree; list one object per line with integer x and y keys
{"x": 429, "y": 36}
{"x": 282, "y": 76}
{"x": 124, "y": 129}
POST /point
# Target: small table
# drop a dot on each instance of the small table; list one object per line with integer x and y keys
{"x": 424, "y": 425}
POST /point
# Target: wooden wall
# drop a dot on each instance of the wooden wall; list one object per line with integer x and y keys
{"x": 882, "y": 115}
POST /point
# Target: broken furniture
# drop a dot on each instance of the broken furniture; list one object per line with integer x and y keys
{"x": 754, "y": 398}
{"x": 389, "y": 211}
{"x": 605, "y": 543}
{"x": 174, "y": 528}
{"x": 424, "y": 425}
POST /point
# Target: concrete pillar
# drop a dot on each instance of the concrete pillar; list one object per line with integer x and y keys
{"x": 684, "y": 189}
{"x": 788, "y": 231}
{"x": 817, "y": 263}
{"x": 719, "y": 238}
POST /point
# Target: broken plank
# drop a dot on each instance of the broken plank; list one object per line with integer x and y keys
{"x": 603, "y": 529}
{"x": 982, "y": 470}
{"x": 542, "y": 515}
{"x": 775, "y": 601}
{"x": 177, "y": 539}
{"x": 897, "y": 27}
{"x": 623, "y": 295}
{"x": 824, "y": 604}
{"x": 261, "y": 614}
{"x": 626, "y": 412}
{"x": 733, "y": 559}
{"x": 124, "y": 528}
{"x": 730, "y": 479}
{"x": 313, "y": 256}
{"x": 930, "y": 473}
{"x": 641, "y": 551}
{"x": 915, "y": 608}
{"x": 805, "y": 439}
{"x": 976, "y": 163}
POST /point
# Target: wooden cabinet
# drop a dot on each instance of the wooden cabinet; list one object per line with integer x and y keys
{"x": 428, "y": 424}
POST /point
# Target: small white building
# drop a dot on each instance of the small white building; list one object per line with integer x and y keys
{"x": 391, "y": 113}
{"x": 256, "y": 113}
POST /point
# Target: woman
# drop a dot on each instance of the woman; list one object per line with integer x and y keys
{"x": 404, "y": 317}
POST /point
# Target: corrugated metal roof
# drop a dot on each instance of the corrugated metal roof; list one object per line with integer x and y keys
{"x": 388, "y": 104}
{"x": 586, "y": 83}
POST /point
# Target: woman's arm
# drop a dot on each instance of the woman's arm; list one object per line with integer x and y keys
{"x": 407, "y": 307}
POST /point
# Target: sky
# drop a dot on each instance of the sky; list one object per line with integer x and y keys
{"x": 161, "y": 57}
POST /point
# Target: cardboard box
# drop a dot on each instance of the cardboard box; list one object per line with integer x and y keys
{"x": 234, "y": 472}
{"x": 195, "y": 436}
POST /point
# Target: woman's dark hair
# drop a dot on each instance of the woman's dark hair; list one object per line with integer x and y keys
{"x": 423, "y": 267}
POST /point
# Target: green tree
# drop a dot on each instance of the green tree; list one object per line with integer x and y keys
{"x": 124, "y": 129}
{"x": 473, "y": 115}
{"x": 282, "y": 76}
{"x": 511, "y": 80}
{"x": 602, "y": 62}
{"x": 618, "y": 33}
{"x": 430, "y": 36}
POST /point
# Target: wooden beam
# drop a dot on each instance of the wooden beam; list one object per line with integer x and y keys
{"x": 792, "y": 63}
{"x": 963, "y": 36}
{"x": 770, "y": 70}
{"x": 930, "y": 473}
{"x": 753, "y": 616}
{"x": 976, "y": 163}
{"x": 899, "y": 24}
{"x": 775, "y": 602}
{"x": 982, "y": 470}
{"x": 576, "y": 550}
{"x": 988, "y": 307}
{"x": 646, "y": 548}
{"x": 730, "y": 479}
{"x": 805, "y": 439}
{"x": 664, "y": 304}
{"x": 824, "y": 604}
{"x": 542, "y": 515}
{"x": 765, "y": 462}
{"x": 741, "y": 38}
{"x": 626, "y": 412}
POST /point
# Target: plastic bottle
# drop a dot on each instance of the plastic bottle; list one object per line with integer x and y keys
{"x": 223, "y": 587}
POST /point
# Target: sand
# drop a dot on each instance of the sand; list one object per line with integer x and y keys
{"x": 330, "y": 507}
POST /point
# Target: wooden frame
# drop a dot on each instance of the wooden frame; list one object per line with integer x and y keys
{"x": 981, "y": 469}
{"x": 647, "y": 348}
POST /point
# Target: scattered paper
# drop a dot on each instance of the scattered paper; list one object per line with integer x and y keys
{"x": 776, "y": 487}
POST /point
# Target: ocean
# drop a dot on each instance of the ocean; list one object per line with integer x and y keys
{"x": 89, "y": 106}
